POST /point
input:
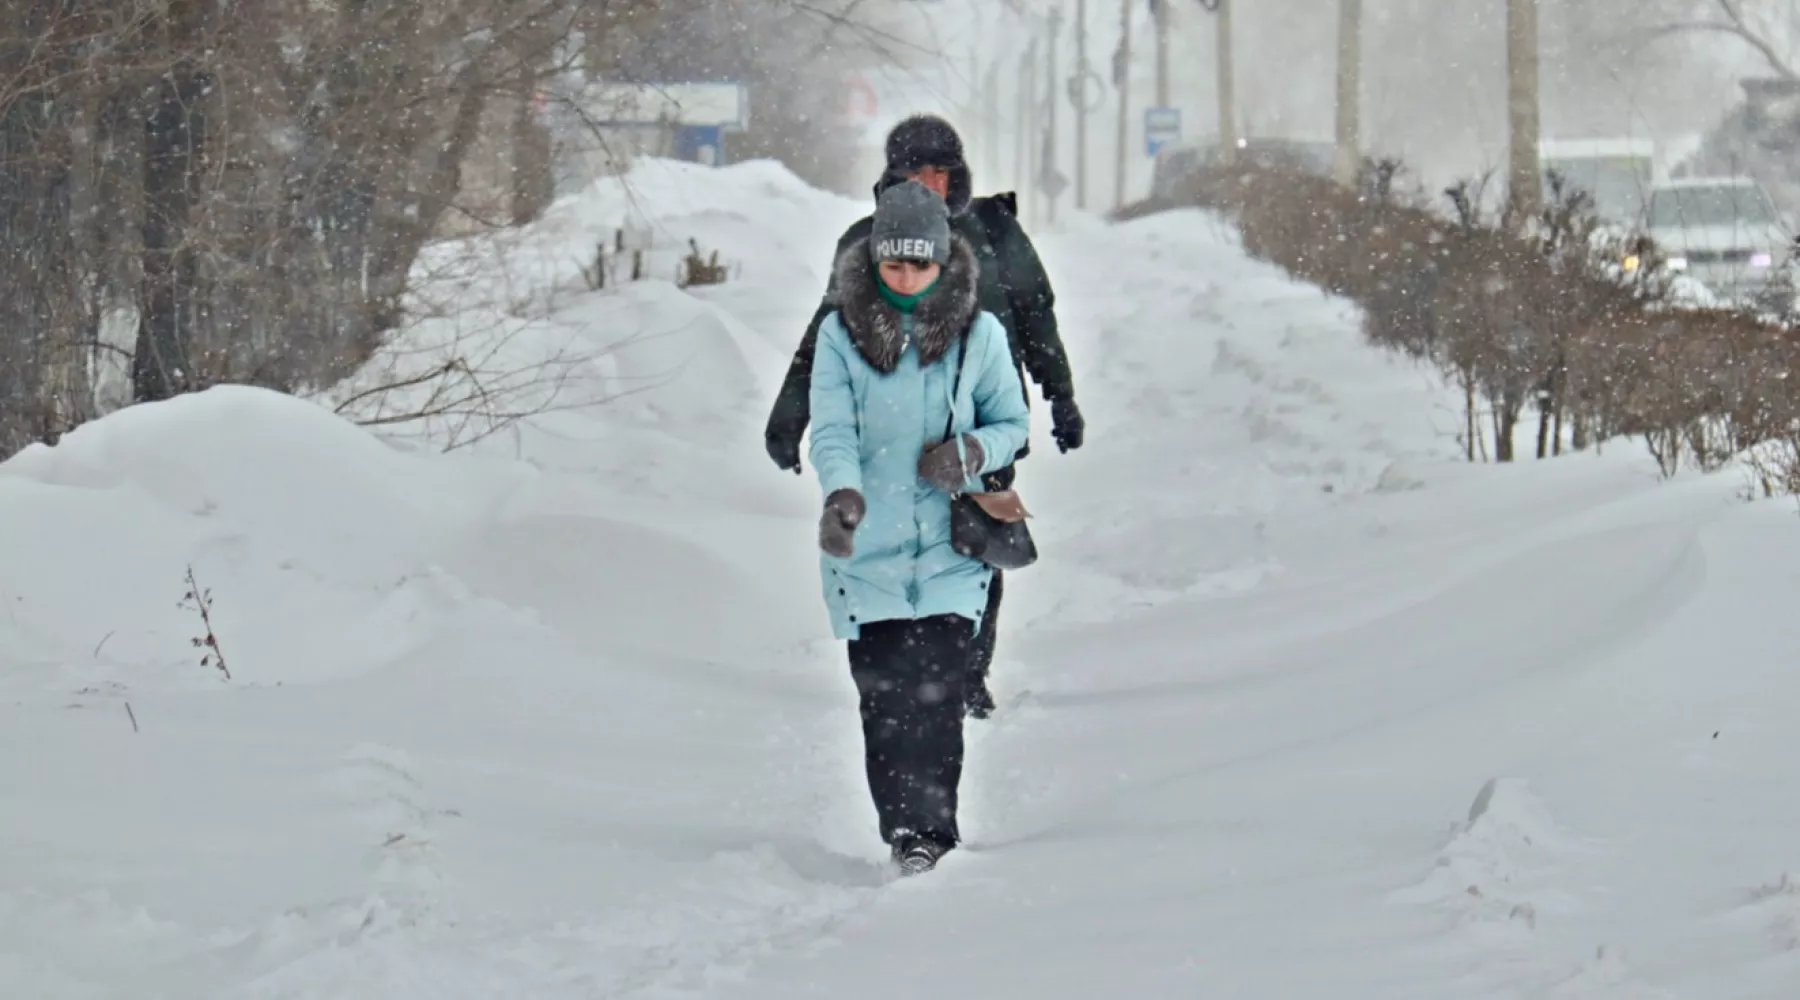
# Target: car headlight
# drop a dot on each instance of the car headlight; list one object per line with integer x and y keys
{"x": 1762, "y": 260}
{"x": 1677, "y": 263}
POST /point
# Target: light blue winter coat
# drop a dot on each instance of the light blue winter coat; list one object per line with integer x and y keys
{"x": 880, "y": 396}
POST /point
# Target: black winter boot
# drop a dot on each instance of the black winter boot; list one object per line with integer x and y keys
{"x": 917, "y": 855}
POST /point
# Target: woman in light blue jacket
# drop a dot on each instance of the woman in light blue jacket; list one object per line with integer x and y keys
{"x": 914, "y": 396}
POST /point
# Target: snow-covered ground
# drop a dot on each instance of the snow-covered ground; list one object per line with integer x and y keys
{"x": 1296, "y": 706}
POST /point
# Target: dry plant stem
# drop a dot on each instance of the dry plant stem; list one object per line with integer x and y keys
{"x": 202, "y": 602}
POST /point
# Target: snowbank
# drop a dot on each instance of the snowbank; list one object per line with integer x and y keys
{"x": 316, "y": 539}
{"x": 514, "y": 354}
{"x": 760, "y": 217}
{"x": 230, "y": 451}
{"x": 1499, "y": 871}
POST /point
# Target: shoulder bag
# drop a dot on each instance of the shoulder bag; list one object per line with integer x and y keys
{"x": 987, "y": 527}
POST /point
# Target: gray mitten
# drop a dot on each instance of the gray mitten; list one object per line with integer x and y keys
{"x": 844, "y": 510}
{"x": 942, "y": 467}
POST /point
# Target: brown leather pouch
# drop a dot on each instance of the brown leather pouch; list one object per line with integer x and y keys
{"x": 1004, "y": 506}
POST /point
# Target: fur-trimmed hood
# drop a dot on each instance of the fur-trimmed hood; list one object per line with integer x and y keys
{"x": 941, "y": 317}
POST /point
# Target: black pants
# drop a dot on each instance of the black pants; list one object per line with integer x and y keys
{"x": 982, "y": 656}
{"x": 909, "y": 676}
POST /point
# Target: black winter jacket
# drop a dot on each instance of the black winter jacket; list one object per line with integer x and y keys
{"x": 1013, "y": 287}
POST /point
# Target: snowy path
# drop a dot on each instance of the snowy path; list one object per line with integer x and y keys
{"x": 574, "y": 729}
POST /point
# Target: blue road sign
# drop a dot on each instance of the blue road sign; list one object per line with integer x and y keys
{"x": 1162, "y": 127}
{"x": 700, "y": 144}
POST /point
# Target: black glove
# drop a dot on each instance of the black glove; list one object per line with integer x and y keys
{"x": 942, "y": 467}
{"x": 844, "y": 510}
{"x": 1066, "y": 425}
{"x": 784, "y": 451}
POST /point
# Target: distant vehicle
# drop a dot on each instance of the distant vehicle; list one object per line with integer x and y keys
{"x": 1722, "y": 231}
{"x": 1616, "y": 173}
{"x": 1178, "y": 162}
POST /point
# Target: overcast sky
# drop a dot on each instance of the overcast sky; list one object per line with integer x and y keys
{"x": 1434, "y": 89}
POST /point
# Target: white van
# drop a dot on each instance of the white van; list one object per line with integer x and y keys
{"x": 1724, "y": 232}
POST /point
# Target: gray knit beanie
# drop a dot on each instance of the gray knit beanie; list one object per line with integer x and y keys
{"x": 911, "y": 223}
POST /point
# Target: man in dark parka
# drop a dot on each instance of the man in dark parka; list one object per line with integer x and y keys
{"x": 1013, "y": 286}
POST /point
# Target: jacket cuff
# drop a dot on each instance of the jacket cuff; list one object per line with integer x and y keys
{"x": 832, "y": 479}
{"x": 992, "y": 457}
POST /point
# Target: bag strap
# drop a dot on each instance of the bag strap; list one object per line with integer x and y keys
{"x": 962, "y": 343}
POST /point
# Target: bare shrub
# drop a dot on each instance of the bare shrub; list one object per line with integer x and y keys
{"x": 1773, "y": 467}
{"x": 479, "y": 382}
{"x": 1546, "y": 312}
{"x": 698, "y": 269}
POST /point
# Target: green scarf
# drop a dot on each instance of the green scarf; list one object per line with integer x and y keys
{"x": 904, "y": 303}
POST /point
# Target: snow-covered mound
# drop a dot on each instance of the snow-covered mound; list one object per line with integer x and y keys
{"x": 319, "y": 540}
{"x": 557, "y": 715}
{"x": 762, "y": 220}
{"x": 433, "y": 661}
{"x": 638, "y": 380}
{"x": 1250, "y": 401}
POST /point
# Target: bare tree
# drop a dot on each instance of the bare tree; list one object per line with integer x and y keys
{"x": 1752, "y": 22}
{"x": 1524, "y": 189}
{"x": 1349, "y": 91}
{"x": 44, "y": 313}
{"x": 174, "y": 161}
{"x": 206, "y": 191}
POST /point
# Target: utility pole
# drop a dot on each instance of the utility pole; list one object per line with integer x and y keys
{"x": 1349, "y": 92}
{"x": 1078, "y": 97}
{"x": 1523, "y": 183}
{"x": 1023, "y": 119}
{"x": 1047, "y": 168}
{"x": 1228, "y": 137}
{"x": 991, "y": 125}
{"x": 971, "y": 106}
{"x": 1025, "y": 125}
{"x": 1124, "y": 84}
{"x": 1161, "y": 8}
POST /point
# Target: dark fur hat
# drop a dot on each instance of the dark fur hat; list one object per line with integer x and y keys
{"x": 928, "y": 141}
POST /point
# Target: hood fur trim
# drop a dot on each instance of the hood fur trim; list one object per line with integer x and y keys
{"x": 941, "y": 317}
